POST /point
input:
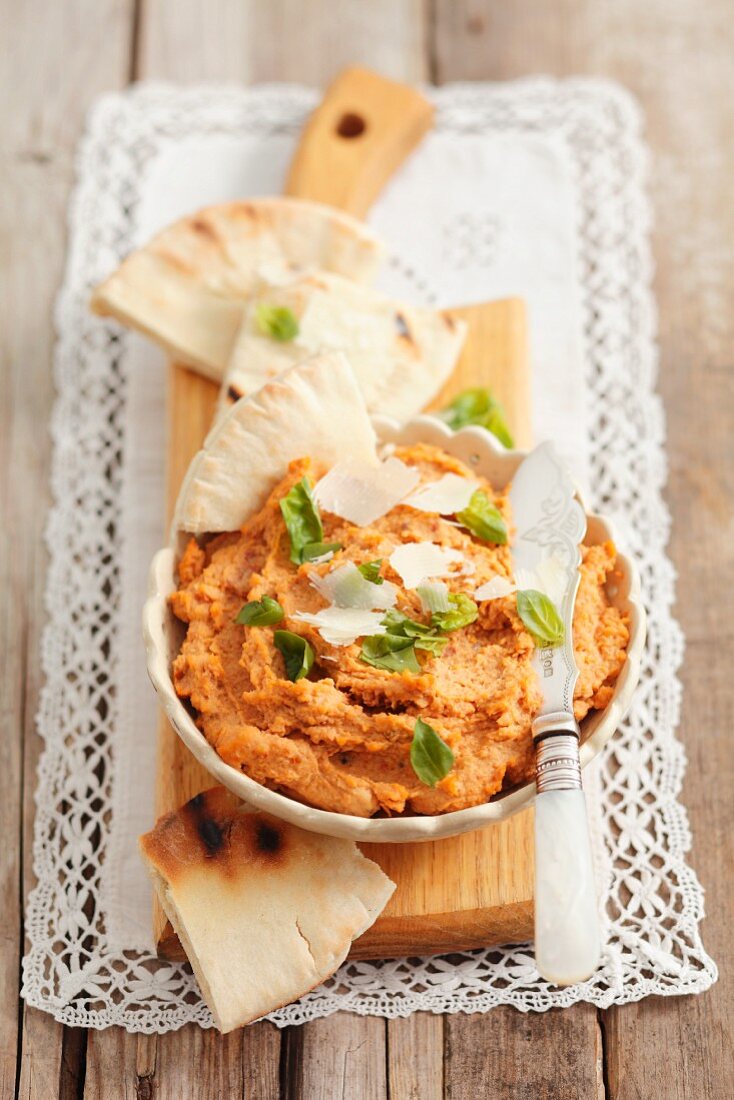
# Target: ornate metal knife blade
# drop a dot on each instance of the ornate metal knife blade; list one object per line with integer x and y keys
{"x": 550, "y": 524}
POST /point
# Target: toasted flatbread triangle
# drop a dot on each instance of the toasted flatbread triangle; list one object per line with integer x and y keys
{"x": 314, "y": 409}
{"x": 186, "y": 288}
{"x": 265, "y": 911}
{"x": 401, "y": 355}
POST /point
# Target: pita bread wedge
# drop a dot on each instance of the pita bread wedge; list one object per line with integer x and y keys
{"x": 186, "y": 288}
{"x": 265, "y": 911}
{"x": 313, "y": 409}
{"x": 400, "y": 354}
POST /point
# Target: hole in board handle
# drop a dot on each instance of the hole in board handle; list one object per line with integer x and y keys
{"x": 350, "y": 125}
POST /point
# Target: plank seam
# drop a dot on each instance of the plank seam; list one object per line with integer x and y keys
{"x": 21, "y": 857}
{"x": 431, "y": 40}
{"x": 606, "y": 1092}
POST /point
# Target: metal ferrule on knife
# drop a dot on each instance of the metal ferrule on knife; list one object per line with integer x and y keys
{"x": 557, "y": 763}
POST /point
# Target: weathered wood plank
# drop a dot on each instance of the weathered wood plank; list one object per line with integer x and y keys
{"x": 341, "y": 1057}
{"x": 195, "y": 40}
{"x": 57, "y": 59}
{"x": 506, "y": 1054}
{"x": 415, "y": 1057}
{"x": 665, "y": 1047}
{"x": 184, "y": 1063}
{"x": 312, "y": 43}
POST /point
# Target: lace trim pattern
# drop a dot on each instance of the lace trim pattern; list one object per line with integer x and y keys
{"x": 653, "y": 899}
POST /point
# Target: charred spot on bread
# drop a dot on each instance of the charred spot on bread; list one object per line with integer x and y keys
{"x": 203, "y": 228}
{"x": 211, "y": 834}
{"x": 403, "y": 328}
{"x": 233, "y": 394}
{"x": 175, "y": 261}
{"x": 268, "y": 838}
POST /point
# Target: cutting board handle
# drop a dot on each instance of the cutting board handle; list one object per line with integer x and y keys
{"x": 364, "y": 128}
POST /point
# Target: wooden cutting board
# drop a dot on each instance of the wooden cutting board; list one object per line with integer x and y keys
{"x": 468, "y": 891}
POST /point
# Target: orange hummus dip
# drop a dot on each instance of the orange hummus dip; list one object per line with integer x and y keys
{"x": 340, "y": 737}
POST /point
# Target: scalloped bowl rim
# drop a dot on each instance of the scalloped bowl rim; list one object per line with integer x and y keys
{"x": 478, "y": 448}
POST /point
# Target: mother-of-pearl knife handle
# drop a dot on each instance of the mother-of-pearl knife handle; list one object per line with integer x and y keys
{"x": 567, "y": 941}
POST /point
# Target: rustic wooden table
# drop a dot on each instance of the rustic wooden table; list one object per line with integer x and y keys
{"x": 677, "y": 56}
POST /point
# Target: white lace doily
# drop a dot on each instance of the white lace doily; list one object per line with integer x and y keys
{"x": 79, "y": 966}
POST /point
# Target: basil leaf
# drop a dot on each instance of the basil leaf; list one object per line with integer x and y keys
{"x": 540, "y": 615}
{"x": 391, "y": 652}
{"x": 277, "y": 322}
{"x": 483, "y": 520}
{"x": 432, "y": 643}
{"x": 430, "y": 756}
{"x": 317, "y": 549}
{"x": 478, "y": 406}
{"x": 370, "y": 570}
{"x": 262, "y": 612}
{"x": 297, "y": 653}
{"x": 301, "y": 514}
{"x": 495, "y": 423}
{"x": 463, "y": 611}
{"x": 396, "y": 649}
{"x": 400, "y": 624}
{"x": 424, "y": 636}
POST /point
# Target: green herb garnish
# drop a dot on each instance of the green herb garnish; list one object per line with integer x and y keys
{"x": 462, "y": 612}
{"x": 540, "y": 615}
{"x": 262, "y": 612}
{"x": 370, "y": 570}
{"x": 424, "y": 636}
{"x": 302, "y": 518}
{"x": 391, "y": 652}
{"x": 430, "y": 756}
{"x": 483, "y": 519}
{"x": 277, "y": 322}
{"x": 478, "y": 406}
{"x": 400, "y": 624}
{"x": 317, "y": 550}
{"x": 395, "y": 650}
{"x": 297, "y": 653}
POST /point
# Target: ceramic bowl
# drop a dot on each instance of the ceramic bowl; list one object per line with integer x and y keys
{"x": 164, "y": 633}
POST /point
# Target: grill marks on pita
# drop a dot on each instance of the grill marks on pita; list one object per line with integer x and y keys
{"x": 265, "y": 911}
{"x": 187, "y": 287}
{"x": 315, "y": 409}
{"x": 401, "y": 355}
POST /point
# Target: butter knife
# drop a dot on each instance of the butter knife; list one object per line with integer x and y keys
{"x": 550, "y": 524}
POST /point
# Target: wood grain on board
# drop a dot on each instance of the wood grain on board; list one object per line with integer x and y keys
{"x": 60, "y": 57}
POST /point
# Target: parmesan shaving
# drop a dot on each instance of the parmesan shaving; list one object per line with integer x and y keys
{"x": 495, "y": 588}
{"x": 548, "y": 577}
{"x": 419, "y": 561}
{"x": 346, "y": 587}
{"x": 447, "y": 496}
{"x": 340, "y": 626}
{"x": 362, "y": 493}
{"x": 434, "y": 596}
